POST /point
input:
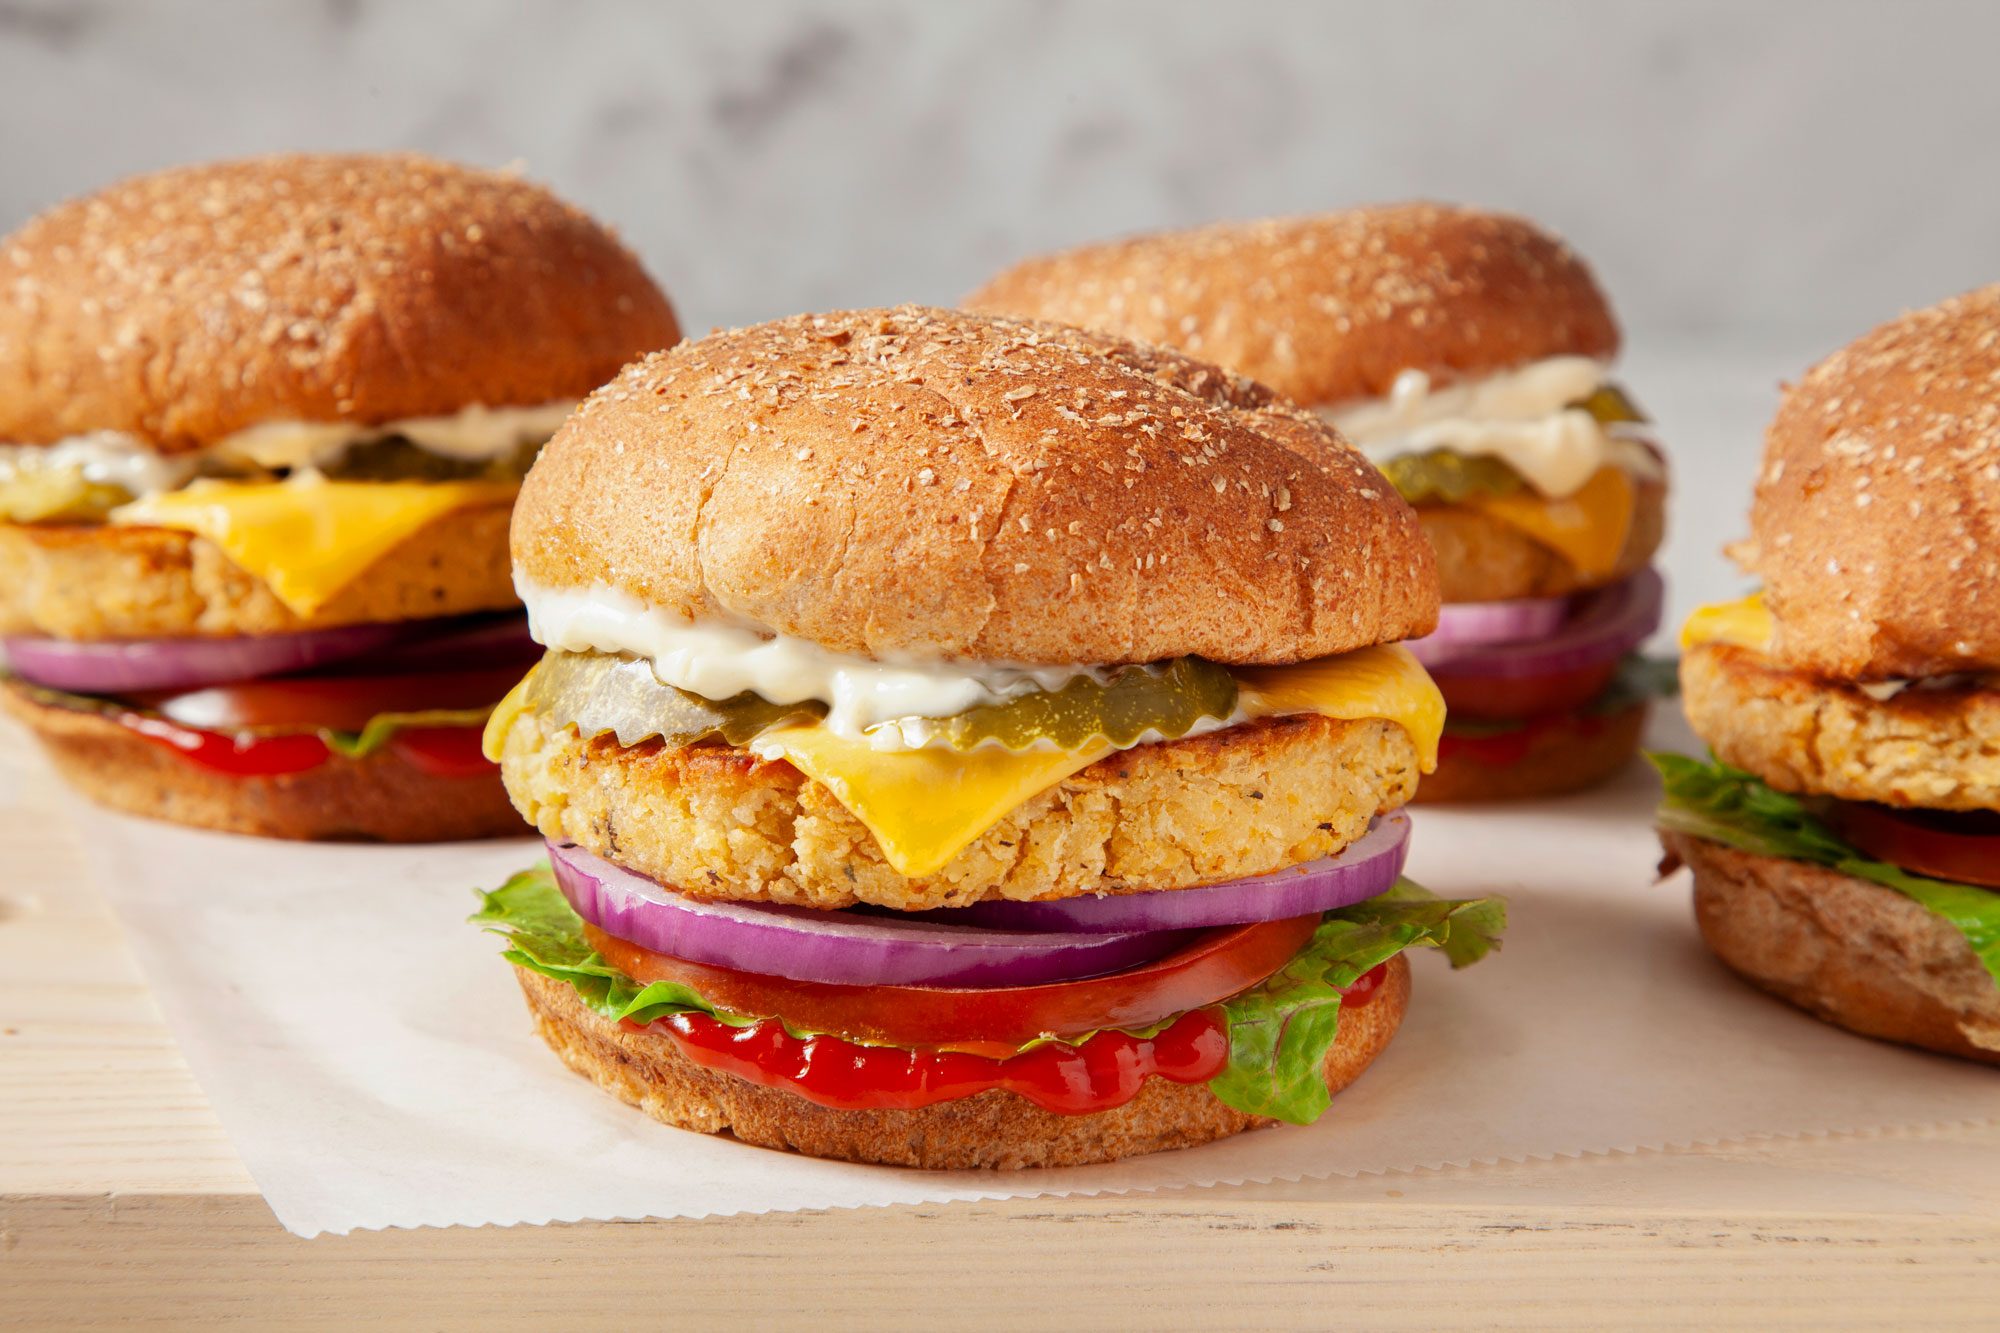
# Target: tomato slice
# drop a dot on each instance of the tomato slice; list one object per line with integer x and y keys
{"x": 1943, "y": 844}
{"x": 1505, "y": 698}
{"x": 443, "y": 752}
{"x": 990, "y": 1021}
{"x": 336, "y": 703}
{"x": 242, "y": 756}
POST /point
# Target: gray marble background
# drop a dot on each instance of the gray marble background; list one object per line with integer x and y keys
{"x": 1790, "y": 171}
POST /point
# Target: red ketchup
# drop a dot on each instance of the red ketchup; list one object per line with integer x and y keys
{"x": 1099, "y": 1074}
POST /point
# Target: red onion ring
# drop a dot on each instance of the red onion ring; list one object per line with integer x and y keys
{"x": 120, "y": 666}
{"x": 1603, "y": 624}
{"x": 839, "y": 948}
{"x": 1464, "y": 625}
{"x": 1361, "y": 870}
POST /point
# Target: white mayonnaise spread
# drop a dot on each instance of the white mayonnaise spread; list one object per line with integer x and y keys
{"x": 104, "y": 457}
{"x": 114, "y": 458}
{"x": 1523, "y": 417}
{"x": 718, "y": 659}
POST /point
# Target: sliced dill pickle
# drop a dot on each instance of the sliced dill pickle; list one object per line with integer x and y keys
{"x": 1441, "y": 475}
{"x": 600, "y": 692}
{"x": 396, "y": 459}
{"x": 1610, "y": 405}
{"x": 58, "y": 495}
{"x": 1169, "y": 699}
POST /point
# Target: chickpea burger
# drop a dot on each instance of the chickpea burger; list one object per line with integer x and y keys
{"x": 261, "y": 427}
{"x": 1469, "y": 356}
{"x": 966, "y": 743}
{"x": 1845, "y": 838}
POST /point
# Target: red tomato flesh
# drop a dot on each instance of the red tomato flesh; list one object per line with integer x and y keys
{"x": 1943, "y": 844}
{"x": 992, "y": 1021}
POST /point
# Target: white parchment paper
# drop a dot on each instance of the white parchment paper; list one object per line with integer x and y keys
{"x": 370, "y": 1056}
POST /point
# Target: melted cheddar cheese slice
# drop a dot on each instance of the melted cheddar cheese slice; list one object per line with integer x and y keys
{"x": 1587, "y": 528}
{"x": 926, "y": 806}
{"x": 308, "y": 537}
{"x": 1745, "y": 622}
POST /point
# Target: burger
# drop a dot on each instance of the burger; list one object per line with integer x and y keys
{"x": 1468, "y": 355}
{"x": 965, "y": 743}
{"x": 261, "y": 427}
{"x": 1845, "y": 836}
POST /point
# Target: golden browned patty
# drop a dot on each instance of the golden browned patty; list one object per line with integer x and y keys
{"x": 717, "y": 822}
{"x": 99, "y": 581}
{"x": 1853, "y": 953}
{"x": 991, "y": 1130}
{"x": 1936, "y": 748}
{"x": 379, "y": 798}
{"x": 1481, "y": 559}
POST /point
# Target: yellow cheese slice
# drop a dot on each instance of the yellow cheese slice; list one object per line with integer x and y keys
{"x": 1745, "y": 622}
{"x": 501, "y": 718}
{"x": 923, "y": 806}
{"x": 926, "y": 806}
{"x": 307, "y": 537}
{"x": 1384, "y": 681}
{"x": 1588, "y": 528}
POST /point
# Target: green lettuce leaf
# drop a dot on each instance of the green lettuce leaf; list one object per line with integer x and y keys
{"x": 1732, "y": 807}
{"x": 1279, "y": 1031}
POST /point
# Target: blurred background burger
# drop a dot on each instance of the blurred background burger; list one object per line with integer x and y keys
{"x": 261, "y": 427}
{"x": 1468, "y": 355}
{"x": 1845, "y": 841}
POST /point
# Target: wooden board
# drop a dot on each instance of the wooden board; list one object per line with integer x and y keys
{"x": 121, "y": 1202}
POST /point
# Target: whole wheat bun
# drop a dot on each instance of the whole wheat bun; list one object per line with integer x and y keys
{"x": 932, "y": 484}
{"x": 1331, "y": 308}
{"x": 1563, "y": 758}
{"x": 1853, "y": 953}
{"x": 183, "y": 306}
{"x": 991, "y": 1130}
{"x": 380, "y": 798}
{"x": 1876, "y": 522}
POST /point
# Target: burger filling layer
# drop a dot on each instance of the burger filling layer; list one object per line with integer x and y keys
{"x": 1250, "y": 1010}
{"x": 1552, "y": 449}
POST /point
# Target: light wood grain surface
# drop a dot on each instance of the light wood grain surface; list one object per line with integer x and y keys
{"x": 121, "y": 1203}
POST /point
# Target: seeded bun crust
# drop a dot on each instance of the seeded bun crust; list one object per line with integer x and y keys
{"x": 1560, "y": 760}
{"x": 1876, "y": 522}
{"x": 1936, "y": 749}
{"x": 993, "y": 1130}
{"x": 182, "y": 306}
{"x": 936, "y": 484}
{"x": 1852, "y": 953}
{"x": 103, "y": 581}
{"x": 716, "y": 822}
{"x": 1330, "y": 309}
{"x": 379, "y": 798}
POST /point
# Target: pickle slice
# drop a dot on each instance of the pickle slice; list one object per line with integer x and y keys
{"x": 1442, "y": 475}
{"x": 396, "y": 459}
{"x": 1169, "y": 699}
{"x": 599, "y": 693}
{"x": 1610, "y": 405}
